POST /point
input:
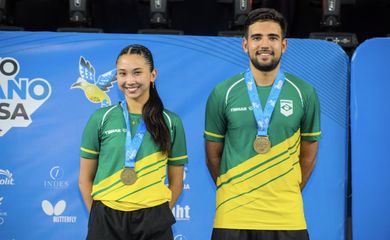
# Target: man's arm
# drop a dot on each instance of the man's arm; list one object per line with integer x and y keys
{"x": 213, "y": 157}
{"x": 175, "y": 179}
{"x": 307, "y": 159}
{"x": 87, "y": 174}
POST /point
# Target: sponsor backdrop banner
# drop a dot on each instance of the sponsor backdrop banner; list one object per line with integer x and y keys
{"x": 370, "y": 117}
{"x": 43, "y": 111}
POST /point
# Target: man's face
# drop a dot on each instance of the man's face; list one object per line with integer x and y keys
{"x": 265, "y": 45}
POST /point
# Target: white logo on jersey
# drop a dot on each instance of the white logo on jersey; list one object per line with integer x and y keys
{"x": 286, "y": 107}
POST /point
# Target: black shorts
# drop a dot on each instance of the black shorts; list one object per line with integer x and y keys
{"x": 145, "y": 224}
{"x": 235, "y": 234}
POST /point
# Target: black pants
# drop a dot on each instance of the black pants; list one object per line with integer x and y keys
{"x": 235, "y": 234}
{"x": 145, "y": 224}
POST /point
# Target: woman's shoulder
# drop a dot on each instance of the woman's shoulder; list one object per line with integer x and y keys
{"x": 171, "y": 117}
{"x": 106, "y": 111}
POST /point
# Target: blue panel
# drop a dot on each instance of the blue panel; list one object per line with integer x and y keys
{"x": 39, "y": 150}
{"x": 370, "y": 118}
{"x": 325, "y": 65}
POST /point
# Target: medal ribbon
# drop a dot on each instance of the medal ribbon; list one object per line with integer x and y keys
{"x": 132, "y": 145}
{"x": 263, "y": 118}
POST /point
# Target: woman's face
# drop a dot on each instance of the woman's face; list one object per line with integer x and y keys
{"x": 134, "y": 76}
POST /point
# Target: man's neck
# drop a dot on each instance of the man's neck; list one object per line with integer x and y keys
{"x": 264, "y": 78}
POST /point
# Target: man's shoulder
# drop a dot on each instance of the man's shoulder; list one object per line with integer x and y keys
{"x": 298, "y": 83}
{"x": 229, "y": 83}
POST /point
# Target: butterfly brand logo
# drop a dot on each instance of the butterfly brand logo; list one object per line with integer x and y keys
{"x": 56, "y": 212}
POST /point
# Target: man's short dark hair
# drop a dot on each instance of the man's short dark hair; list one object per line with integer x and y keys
{"x": 263, "y": 15}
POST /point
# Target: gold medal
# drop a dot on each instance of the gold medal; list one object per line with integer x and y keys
{"x": 262, "y": 144}
{"x": 128, "y": 176}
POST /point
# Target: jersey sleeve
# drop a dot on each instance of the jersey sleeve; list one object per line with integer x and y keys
{"x": 215, "y": 121}
{"x": 90, "y": 144}
{"x": 310, "y": 128}
{"x": 178, "y": 153}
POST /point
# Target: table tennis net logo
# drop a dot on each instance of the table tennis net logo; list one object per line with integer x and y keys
{"x": 20, "y": 97}
{"x": 56, "y": 211}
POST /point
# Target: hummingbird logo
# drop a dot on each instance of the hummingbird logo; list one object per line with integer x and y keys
{"x": 94, "y": 90}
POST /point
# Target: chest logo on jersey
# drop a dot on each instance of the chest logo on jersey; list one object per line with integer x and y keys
{"x": 286, "y": 107}
{"x": 111, "y": 131}
{"x": 241, "y": 109}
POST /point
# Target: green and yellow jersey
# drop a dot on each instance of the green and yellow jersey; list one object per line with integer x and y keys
{"x": 104, "y": 141}
{"x": 261, "y": 191}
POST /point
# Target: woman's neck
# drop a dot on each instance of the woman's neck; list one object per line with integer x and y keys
{"x": 135, "y": 105}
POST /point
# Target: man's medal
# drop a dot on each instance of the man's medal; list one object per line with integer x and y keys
{"x": 262, "y": 143}
{"x": 129, "y": 175}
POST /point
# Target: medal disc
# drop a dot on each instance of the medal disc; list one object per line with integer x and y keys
{"x": 262, "y": 144}
{"x": 128, "y": 176}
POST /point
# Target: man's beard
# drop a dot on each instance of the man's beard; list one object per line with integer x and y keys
{"x": 265, "y": 67}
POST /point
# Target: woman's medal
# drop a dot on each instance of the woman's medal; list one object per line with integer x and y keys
{"x": 128, "y": 176}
